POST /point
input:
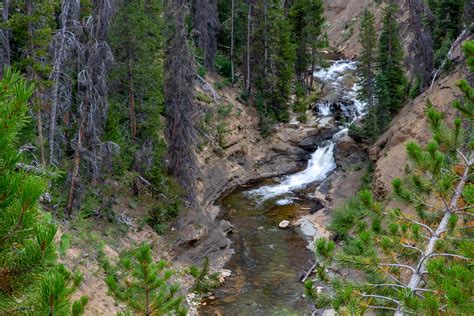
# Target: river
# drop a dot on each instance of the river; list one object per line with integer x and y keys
{"x": 268, "y": 260}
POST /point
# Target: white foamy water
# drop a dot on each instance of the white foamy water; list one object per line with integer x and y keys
{"x": 324, "y": 109}
{"x": 322, "y": 162}
{"x": 336, "y": 71}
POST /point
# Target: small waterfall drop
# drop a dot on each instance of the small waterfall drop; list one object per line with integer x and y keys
{"x": 322, "y": 162}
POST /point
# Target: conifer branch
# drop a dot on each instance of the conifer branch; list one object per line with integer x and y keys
{"x": 381, "y": 297}
{"x": 398, "y": 265}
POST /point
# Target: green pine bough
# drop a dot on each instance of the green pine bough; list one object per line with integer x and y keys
{"x": 31, "y": 281}
{"x": 145, "y": 285}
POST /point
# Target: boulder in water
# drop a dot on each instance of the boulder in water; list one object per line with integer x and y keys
{"x": 284, "y": 224}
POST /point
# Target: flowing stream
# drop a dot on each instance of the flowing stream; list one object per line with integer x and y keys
{"x": 268, "y": 260}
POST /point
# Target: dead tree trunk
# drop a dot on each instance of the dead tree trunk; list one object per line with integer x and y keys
{"x": 93, "y": 110}
{"x": 5, "y": 39}
{"x": 77, "y": 158}
{"x": 64, "y": 44}
{"x": 232, "y": 42}
{"x": 33, "y": 76}
{"x": 206, "y": 25}
{"x": 131, "y": 101}
{"x": 249, "y": 21}
{"x": 181, "y": 110}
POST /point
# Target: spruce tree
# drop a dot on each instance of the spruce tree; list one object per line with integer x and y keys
{"x": 27, "y": 249}
{"x": 366, "y": 69}
{"x": 274, "y": 54}
{"x": 390, "y": 81}
{"x": 32, "y": 23}
{"x": 144, "y": 285}
{"x": 417, "y": 260}
{"x": 307, "y": 20}
{"x": 136, "y": 83}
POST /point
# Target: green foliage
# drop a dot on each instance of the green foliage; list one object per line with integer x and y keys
{"x": 415, "y": 90}
{"x": 137, "y": 42}
{"x": 382, "y": 79}
{"x": 27, "y": 248}
{"x": 307, "y": 21}
{"x": 390, "y": 81}
{"x": 55, "y": 293}
{"x": 448, "y": 23}
{"x": 274, "y": 73}
{"x": 144, "y": 285}
{"x": 223, "y": 66}
{"x": 367, "y": 61}
{"x": 345, "y": 218}
{"x": 204, "y": 282}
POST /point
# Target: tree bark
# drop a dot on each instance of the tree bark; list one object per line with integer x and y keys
{"x": 311, "y": 76}
{"x": 5, "y": 39}
{"x": 77, "y": 157}
{"x": 131, "y": 100}
{"x": 232, "y": 42}
{"x": 249, "y": 18}
{"x": 33, "y": 76}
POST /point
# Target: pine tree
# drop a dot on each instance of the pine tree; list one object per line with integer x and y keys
{"x": 307, "y": 21}
{"x": 366, "y": 69}
{"x": 144, "y": 285}
{"x": 27, "y": 249}
{"x": 273, "y": 55}
{"x": 32, "y": 24}
{"x": 449, "y": 20}
{"x": 136, "y": 79}
{"x": 55, "y": 291}
{"x": 390, "y": 81}
{"x": 418, "y": 260}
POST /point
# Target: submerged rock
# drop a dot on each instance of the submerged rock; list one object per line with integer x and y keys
{"x": 284, "y": 224}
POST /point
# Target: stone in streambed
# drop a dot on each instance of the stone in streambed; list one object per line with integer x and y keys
{"x": 284, "y": 224}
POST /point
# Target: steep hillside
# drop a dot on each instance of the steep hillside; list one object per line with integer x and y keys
{"x": 411, "y": 124}
{"x": 343, "y": 18}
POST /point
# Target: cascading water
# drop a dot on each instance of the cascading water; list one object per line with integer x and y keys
{"x": 267, "y": 259}
{"x": 322, "y": 162}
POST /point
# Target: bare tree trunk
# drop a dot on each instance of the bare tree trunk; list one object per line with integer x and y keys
{"x": 131, "y": 100}
{"x": 69, "y": 15}
{"x": 249, "y": 18}
{"x": 181, "y": 110}
{"x": 265, "y": 45}
{"x": 33, "y": 76}
{"x": 232, "y": 42}
{"x": 39, "y": 124}
{"x": 311, "y": 76}
{"x": 77, "y": 157}
{"x": 5, "y": 39}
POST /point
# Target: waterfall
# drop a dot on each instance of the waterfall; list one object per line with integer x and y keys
{"x": 322, "y": 162}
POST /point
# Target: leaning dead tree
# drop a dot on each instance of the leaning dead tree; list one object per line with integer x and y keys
{"x": 65, "y": 46}
{"x": 4, "y": 38}
{"x": 181, "y": 110}
{"x": 92, "y": 110}
{"x": 205, "y": 28}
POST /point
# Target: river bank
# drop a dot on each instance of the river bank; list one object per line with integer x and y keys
{"x": 267, "y": 259}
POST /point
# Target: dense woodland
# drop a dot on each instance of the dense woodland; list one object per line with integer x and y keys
{"x": 95, "y": 90}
